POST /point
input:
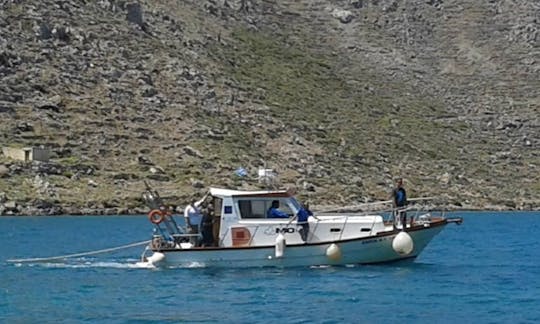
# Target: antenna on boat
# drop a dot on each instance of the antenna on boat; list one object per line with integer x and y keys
{"x": 267, "y": 177}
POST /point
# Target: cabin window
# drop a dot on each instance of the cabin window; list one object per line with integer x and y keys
{"x": 245, "y": 209}
{"x": 253, "y": 208}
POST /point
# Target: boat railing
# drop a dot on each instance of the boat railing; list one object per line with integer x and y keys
{"x": 372, "y": 226}
{"x": 343, "y": 228}
{"x": 314, "y": 230}
{"x": 415, "y": 214}
{"x": 253, "y": 235}
{"x": 170, "y": 228}
{"x": 414, "y": 211}
{"x": 172, "y": 240}
{"x": 224, "y": 237}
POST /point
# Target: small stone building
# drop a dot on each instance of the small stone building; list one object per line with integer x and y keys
{"x": 27, "y": 153}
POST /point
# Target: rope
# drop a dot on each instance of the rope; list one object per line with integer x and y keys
{"x": 78, "y": 254}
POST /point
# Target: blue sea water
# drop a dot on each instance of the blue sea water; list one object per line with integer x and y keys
{"x": 484, "y": 271}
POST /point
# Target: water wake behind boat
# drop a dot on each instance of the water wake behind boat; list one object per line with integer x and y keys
{"x": 82, "y": 263}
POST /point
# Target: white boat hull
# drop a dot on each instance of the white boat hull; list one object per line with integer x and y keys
{"x": 367, "y": 250}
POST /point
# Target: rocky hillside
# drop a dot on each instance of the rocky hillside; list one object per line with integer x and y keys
{"x": 339, "y": 97}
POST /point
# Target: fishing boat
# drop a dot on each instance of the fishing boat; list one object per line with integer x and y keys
{"x": 243, "y": 236}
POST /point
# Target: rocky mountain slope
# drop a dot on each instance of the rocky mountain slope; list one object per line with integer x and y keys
{"x": 339, "y": 97}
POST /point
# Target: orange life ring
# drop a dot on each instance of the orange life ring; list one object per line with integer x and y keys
{"x": 156, "y": 216}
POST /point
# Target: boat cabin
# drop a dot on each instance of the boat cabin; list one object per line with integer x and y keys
{"x": 241, "y": 219}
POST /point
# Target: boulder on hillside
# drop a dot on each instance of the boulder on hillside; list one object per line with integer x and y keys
{"x": 344, "y": 16}
{"x": 197, "y": 184}
{"x": 158, "y": 177}
{"x": 192, "y": 152}
{"x": 4, "y": 171}
{"x": 144, "y": 160}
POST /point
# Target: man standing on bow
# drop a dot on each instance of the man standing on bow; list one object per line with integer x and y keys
{"x": 399, "y": 201}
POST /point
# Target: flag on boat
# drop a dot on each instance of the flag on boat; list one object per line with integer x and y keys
{"x": 241, "y": 172}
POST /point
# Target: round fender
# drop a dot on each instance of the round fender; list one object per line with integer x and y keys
{"x": 333, "y": 252}
{"x": 403, "y": 243}
{"x": 280, "y": 246}
{"x": 156, "y": 258}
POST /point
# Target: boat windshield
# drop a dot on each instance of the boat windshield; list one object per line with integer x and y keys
{"x": 295, "y": 203}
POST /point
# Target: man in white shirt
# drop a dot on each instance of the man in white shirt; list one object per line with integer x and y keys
{"x": 193, "y": 217}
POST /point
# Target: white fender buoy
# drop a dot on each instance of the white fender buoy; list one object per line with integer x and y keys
{"x": 280, "y": 245}
{"x": 333, "y": 252}
{"x": 403, "y": 243}
{"x": 157, "y": 257}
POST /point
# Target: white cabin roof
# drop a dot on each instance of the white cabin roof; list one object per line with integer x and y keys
{"x": 222, "y": 193}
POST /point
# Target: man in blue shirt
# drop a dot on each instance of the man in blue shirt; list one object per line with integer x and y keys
{"x": 399, "y": 200}
{"x": 400, "y": 195}
{"x": 274, "y": 212}
{"x": 303, "y": 215}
